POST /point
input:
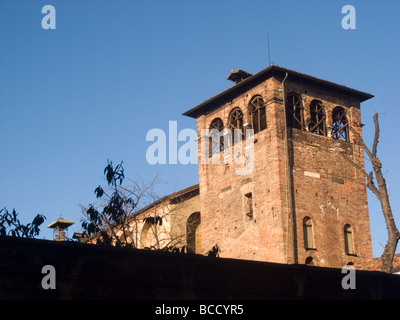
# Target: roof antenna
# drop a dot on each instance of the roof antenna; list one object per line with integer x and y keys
{"x": 269, "y": 54}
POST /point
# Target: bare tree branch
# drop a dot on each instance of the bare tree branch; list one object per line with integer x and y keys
{"x": 376, "y": 137}
{"x": 381, "y": 193}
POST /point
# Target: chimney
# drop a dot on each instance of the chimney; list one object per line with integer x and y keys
{"x": 238, "y": 75}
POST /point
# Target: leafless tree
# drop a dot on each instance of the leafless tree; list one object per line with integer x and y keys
{"x": 133, "y": 215}
{"x": 109, "y": 221}
{"x": 381, "y": 192}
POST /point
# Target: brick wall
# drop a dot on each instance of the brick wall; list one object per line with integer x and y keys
{"x": 222, "y": 191}
{"x": 326, "y": 188}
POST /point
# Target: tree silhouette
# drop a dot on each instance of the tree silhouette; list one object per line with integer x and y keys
{"x": 10, "y": 225}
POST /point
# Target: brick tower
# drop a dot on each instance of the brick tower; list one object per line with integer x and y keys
{"x": 301, "y": 202}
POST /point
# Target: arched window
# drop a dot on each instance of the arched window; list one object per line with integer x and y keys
{"x": 236, "y": 125}
{"x": 146, "y": 236}
{"x": 309, "y": 261}
{"x": 216, "y": 142}
{"x": 340, "y": 125}
{"x": 193, "y": 240}
{"x": 248, "y": 206}
{"x": 308, "y": 233}
{"x": 258, "y": 116}
{"x": 348, "y": 239}
{"x": 294, "y": 111}
{"x": 318, "y": 118}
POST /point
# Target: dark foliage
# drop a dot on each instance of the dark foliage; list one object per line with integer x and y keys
{"x": 10, "y": 225}
{"x": 113, "y": 213}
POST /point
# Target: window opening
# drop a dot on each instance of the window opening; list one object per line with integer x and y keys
{"x": 294, "y": 112}
{"x": 340, "y": 127}
{"x": 236, "y": 125}
{"x": 318, "y": 118}
{"x": 258, "y": 115}
{"x": 216, "y": 143}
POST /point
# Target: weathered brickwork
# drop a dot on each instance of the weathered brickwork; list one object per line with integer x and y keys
{"x": 335, "y": 195}
{"x": 326, "y": 189}
{"x": 302, "y": 202}
{"x": 222, "y": 191}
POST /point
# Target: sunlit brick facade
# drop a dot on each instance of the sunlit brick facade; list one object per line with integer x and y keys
{"x": 308, "y": 204}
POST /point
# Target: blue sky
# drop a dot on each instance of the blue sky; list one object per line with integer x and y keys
{"x": 91, "y": 89}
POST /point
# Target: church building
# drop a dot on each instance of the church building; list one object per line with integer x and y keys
{"x": 300, "y": 202}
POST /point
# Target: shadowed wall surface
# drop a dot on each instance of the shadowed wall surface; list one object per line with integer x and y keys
{"x": 94, "y": 272}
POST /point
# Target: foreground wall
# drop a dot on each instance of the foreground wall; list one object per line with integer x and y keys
{"x": 93, "y": 272}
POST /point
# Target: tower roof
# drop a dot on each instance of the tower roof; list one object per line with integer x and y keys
{"x": 247, "y": 81}
{"x": 61, "y": 223}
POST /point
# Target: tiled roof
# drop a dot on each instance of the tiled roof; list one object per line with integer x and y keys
{"x": 171, "y": 196}
{"x": 251, "y": 81}
{"x": 61, "y": 222}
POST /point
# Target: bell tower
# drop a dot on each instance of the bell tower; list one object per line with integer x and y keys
{"x": 301, "y": 202}
{"x": 60, "y": 229}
